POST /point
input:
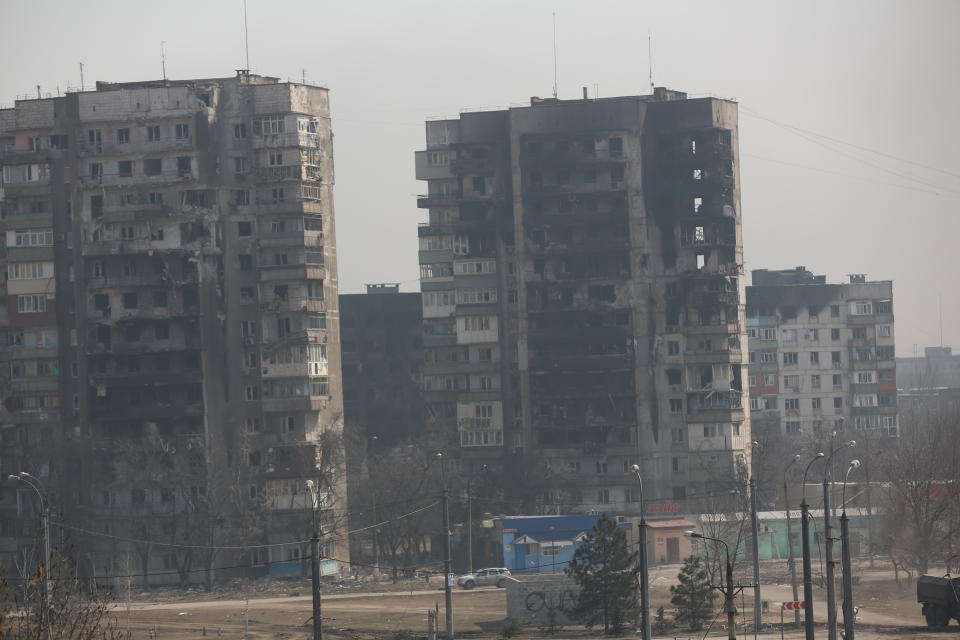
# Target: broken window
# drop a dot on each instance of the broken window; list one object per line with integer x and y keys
{"x": 161, "y": 330}
{"x": 132, "y": 333}
{"x": 153, "y": 133}
{"x": 697, "y": 204}
{"x": 246, "y": 262}
{"x": 616, "y": 147}
{"x": 244, "y": 228}
{"x": 182, "y": 132}
{"x": 123, "y": 136}
{"x": 130, "y": 300}
{"x": 96, "y": 171}
{"x": 616, "y": 176}
{"x": 241, "y": 197}
{"x": 152, "y": 167}
{"x": 676, "y": 406}
{"x": 159, "y": 298}
{"x": 240, "y": 131}
{"x": 698, "y": 174}
{"x": 184, "y": 166}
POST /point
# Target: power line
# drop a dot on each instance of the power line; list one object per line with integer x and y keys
{"x": 812, "y": 137}
{"x": 849, "y": 144}
{"x": 845, "y": 175}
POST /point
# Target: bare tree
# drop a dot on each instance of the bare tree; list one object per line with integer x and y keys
{"x": 75, "y": 609}
{"x": 923, "y": 489}
{"x": 402, "y": 482}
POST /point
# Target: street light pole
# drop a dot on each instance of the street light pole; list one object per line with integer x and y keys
{"x": 315, "y": 563}
{"x": 755, "y": 526}
{"x": 791, "y": 563}
{"x": 46, "y": 608}
{"x": 728, "y": 601}
{"x": 447, "y": 593}
{"x": 807, "y": 572}
{"x": 644, "y": 569}
{"x": 828, "y": 537}
{"x": 469, "y": 530}
{"x": 848, "y": 615}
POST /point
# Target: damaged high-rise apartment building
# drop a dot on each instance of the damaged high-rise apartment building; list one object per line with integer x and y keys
{"x": 582, "y": 295}
{"x": 170, "y": 336}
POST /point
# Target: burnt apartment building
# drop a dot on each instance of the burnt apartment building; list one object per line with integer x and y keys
{"x": 582, "y": 296}
{"x": 381, "y": 347}
{"x": 170, "y": 333}
{"x": 821, "y": 360}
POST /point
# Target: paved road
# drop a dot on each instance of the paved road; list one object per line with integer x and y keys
{"x": 259, "y": 602}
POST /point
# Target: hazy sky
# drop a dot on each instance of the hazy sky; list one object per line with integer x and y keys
{"x": 882, "y": 76}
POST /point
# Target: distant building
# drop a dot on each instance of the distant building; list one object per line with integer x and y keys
{"x": 821, "y": 359}
{"x": 382, "y": 354}
{"x": 171, "y": 307}
{"x": 937, "y": 368}
{"x": 582, "y": 295}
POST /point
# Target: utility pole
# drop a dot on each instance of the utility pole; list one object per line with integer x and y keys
{"x": 755, "y": 526}
{"x": 807, "y": 571}
{"x": 46, "y": 610}
{"x": 644, "y": 568}
{"x": 447, "y": 586}
{"x": 848, "y": 612}
{"x": 469, "y": 531}
{"x": 828, "y": 552}
{"x": 447, "y": 593}
{"x": 729, "y": 604}
{"x": 791, "y": 563}
{"x": 315, "y": 565}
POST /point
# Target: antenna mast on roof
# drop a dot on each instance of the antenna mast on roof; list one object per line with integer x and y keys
{"x": 246, "y": 34}
{"x": 163, "y": 60}
{"x": 650, "y": 58}
{"x": 554, "y": 55}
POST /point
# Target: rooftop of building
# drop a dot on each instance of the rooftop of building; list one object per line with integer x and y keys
{"x": 660, "y": 94}
{"x": 801, "y": 276}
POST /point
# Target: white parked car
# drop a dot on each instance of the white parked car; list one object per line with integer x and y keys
{"x": 496, "y": 576}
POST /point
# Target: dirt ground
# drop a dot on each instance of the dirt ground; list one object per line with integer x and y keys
{"x": 886, "y": 611}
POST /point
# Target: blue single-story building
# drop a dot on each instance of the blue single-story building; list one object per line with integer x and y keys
{"x": 545, "y": 543}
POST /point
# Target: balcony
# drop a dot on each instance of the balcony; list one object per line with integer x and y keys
{"x": 431, "y": 200}
{"x": 271, "y": 273}
{"x": 287, "y": 139}
{"x": 295, "y": 404}
{"x": 583, "y": 245}
{"x": 292, "y": 239}
{"x": 304, "y": 173}
{"x": 281, "y": 305}
{"x": 427, "y": 171}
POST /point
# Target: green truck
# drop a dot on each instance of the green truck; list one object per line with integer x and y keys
{"x": 940, "y": 598}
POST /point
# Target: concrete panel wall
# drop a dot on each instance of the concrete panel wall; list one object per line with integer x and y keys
{"x": 531, "y": 602}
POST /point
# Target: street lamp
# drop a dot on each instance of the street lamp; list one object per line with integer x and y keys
{"x": 805, "y": 534}
{"x": 483, "y": 467}
{"x": 728, "y": 601}
{"x": 755, "y": 526}
{"x": 848, "y": 613}
{"x": 790, "y": 563}
{"x": 46, "y": 608}
{"x": 315, "y": 562}
{"x": 644, "y": 569}
{"x": 827, "y": 530}
{"x": 447, "y": 593}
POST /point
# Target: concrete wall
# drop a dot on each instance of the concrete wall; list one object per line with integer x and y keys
{"x": 530, "y": 602}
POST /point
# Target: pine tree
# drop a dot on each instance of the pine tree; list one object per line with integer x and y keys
{"x": 606, "y": 573}
{"x": 693, "y": 596}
